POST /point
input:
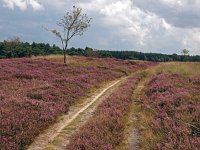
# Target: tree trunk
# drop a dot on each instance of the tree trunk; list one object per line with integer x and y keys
{"x": 65, "y": 50}
{"x": 65, "y": 56}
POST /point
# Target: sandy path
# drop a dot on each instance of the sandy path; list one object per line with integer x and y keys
{"x": 58, "y": 135}
{"x": 133, "y": 139}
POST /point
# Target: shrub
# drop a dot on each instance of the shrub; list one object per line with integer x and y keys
{"x": 175, "y": 113}
{"x": 36, "y": 91}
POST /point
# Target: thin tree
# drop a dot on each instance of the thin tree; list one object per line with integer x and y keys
{"x": 185, "y": 52}
{"x": 12, "y": 44}
{"x": 73, "y": 23}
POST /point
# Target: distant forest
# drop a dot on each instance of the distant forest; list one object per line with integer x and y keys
{"x": 13, "y": 50}
{"x": 18, "y": 50}
{"x": 134, "y": 55}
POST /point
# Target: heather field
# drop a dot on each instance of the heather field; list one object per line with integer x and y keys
{"x": 131, "y": 83}
{"x": 34, "y": 92}
{"x": 156, "y": 107}
{"x": 169, "y": 110}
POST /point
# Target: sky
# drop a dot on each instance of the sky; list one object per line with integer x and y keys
{"x": 160, "y": 26}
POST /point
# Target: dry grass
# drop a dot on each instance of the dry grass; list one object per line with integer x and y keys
{"x": 55, "y": 58}
{"x": 184, "y": 68}
{"x": 147, "y": 137}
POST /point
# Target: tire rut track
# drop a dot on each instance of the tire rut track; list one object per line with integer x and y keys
{"x": 58, "y": 135}
{"x": 131, "y": 135}
{"x": 133, "y": 141}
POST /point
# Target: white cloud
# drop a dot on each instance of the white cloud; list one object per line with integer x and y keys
{"x": 22, "y": 4}
{"x": 95, "y": 5}
{"x": 146, "y": 25}
{"x": 35, "y": 4}
{"x": 173, "y": 3}
{"x": 129, "y": 21}
{"x": 145, "y": 30}
{"x": 191, "y": 40}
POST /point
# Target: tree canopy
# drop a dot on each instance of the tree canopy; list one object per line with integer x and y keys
{"x": 74, "y": 23}
{"x": 24, "y": 49}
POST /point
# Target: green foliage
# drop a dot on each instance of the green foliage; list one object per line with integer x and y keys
{"x": 21, "y": 49}
{"x": 89, "y": 52}
{"x": 74, "y": 23}
{"x": 36, "y": 49}
{"x": 185, "y": 52}
{"x": 133, "y": 55}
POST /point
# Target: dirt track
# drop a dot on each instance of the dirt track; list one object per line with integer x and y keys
{"x": 58, "y": 135}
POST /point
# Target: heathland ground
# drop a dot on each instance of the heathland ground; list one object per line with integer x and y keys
{"x": 93, "y": 103}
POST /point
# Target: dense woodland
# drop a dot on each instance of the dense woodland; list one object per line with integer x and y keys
{"x": 21, "y": 49}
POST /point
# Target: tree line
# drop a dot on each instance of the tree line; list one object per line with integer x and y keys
{"x": 16, "y": 49}
{"x": 134, "y": 55}
{"x": 13, "y": 48}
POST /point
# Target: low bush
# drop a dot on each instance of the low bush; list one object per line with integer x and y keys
{"x": 34, "y": 92}
{"x": 175, "y": 112}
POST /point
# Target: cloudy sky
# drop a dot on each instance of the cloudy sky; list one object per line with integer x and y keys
{"x": 164, "y": 26}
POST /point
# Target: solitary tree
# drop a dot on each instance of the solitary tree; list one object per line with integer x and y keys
{"x": 89, "y": 52}
{"x": 73, "y": 23}
{"x": 12, "y": 44}
{"x": 185, "y": 52}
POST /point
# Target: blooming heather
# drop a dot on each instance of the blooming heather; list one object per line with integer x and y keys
{"x": 34, "y": 92}
{"x": 175, "y": 101}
